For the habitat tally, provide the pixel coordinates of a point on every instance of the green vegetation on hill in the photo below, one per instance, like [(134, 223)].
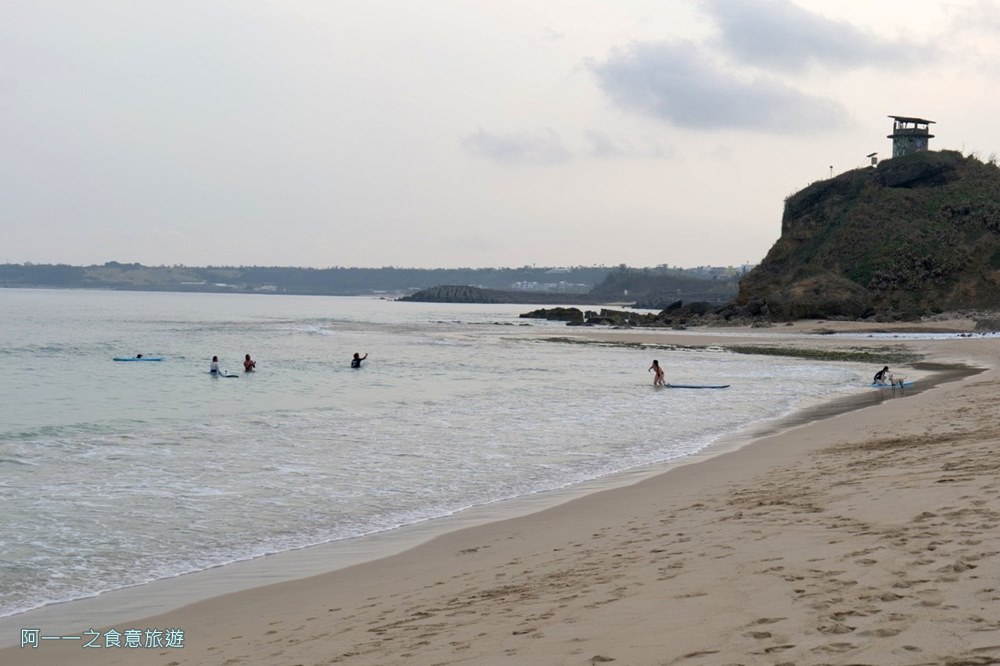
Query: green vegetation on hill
[(652, 288), (292, 280), (656, 288), (918, 234)]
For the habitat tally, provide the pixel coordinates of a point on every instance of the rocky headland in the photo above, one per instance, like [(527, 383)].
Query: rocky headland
[(912, 238), (917, 235)]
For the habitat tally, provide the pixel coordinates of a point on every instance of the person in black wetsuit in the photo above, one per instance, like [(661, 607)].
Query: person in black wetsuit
[(881, 376), (356, 361)]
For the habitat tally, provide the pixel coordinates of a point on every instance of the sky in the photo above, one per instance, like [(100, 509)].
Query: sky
[(460, 133)]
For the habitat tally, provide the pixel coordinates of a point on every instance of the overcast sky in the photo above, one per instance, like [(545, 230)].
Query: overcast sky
[(445, 133)]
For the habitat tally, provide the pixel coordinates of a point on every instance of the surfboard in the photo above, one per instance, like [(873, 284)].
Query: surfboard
[(907, 383), (698, 386), (133, 358), (225, 375)]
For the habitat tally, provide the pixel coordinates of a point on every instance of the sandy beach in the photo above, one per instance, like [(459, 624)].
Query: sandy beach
[(868, 537)]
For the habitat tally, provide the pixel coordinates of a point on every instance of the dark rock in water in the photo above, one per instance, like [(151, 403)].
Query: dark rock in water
[(470, 294), (569, 315), (458, 294), (618, 318)]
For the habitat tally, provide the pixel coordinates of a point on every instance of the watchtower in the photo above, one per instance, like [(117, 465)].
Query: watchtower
[(909, 135)]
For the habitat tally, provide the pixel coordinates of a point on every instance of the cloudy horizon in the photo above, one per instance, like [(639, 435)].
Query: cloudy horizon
[(405, 133)]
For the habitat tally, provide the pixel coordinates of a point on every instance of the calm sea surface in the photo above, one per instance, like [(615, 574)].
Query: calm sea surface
[(113, 474)]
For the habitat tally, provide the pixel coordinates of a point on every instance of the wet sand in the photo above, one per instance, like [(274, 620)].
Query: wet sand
[(866, 536)]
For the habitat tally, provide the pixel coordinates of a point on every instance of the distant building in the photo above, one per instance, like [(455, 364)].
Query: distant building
[(909, 135)]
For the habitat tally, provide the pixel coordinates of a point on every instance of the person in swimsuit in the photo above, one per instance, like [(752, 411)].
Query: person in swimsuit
[(356, 361), (214, 368), (248, 364), (658, 377)]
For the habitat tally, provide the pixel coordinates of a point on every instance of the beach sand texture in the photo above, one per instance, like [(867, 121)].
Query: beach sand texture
[(871, 537)]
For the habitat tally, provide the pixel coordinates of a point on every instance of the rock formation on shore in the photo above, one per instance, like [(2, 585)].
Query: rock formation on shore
[(917, 235), (675, 315)]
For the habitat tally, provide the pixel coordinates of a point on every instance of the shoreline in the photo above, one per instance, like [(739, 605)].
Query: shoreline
[(422, 561), (168, 594)]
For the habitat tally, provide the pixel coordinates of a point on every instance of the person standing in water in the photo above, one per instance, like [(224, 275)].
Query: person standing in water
[(214, 368), (658, 377), (356, 361), (249, 365)]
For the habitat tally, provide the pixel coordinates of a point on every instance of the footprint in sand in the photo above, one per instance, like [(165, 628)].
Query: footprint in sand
[(778, 648), (881, 633), (758, 635), (834, 647)]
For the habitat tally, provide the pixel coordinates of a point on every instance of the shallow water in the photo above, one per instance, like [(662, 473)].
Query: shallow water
[(113, 474)]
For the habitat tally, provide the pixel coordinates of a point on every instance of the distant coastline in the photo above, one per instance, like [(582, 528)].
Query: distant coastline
[(390, 282), (578, 285)]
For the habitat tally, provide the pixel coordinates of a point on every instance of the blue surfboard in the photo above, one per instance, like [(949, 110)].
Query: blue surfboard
[(905, 384), (698, 386)]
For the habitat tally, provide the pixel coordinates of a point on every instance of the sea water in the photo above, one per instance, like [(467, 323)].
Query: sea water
[(118, 473)]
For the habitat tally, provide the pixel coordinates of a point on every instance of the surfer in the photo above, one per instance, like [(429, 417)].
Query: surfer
[(658, 378), (356, 361), (214, 368), (138, 355), (248, 364), (880, 376)]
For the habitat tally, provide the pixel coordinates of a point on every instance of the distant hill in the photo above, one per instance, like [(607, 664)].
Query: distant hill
[(291, 280), (919, 234), (656, 288), (652, 288)]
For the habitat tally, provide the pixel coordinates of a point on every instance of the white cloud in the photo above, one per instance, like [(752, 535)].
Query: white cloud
[(604, 145), (781, 36), (678, 83), (542, 147)]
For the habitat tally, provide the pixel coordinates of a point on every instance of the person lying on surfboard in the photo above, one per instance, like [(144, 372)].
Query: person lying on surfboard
[(658, 377)]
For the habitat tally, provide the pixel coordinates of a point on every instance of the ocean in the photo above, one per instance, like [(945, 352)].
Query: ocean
[(114, 474)]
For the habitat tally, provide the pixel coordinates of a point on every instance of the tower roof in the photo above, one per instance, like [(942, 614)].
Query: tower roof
[(908, 119)]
